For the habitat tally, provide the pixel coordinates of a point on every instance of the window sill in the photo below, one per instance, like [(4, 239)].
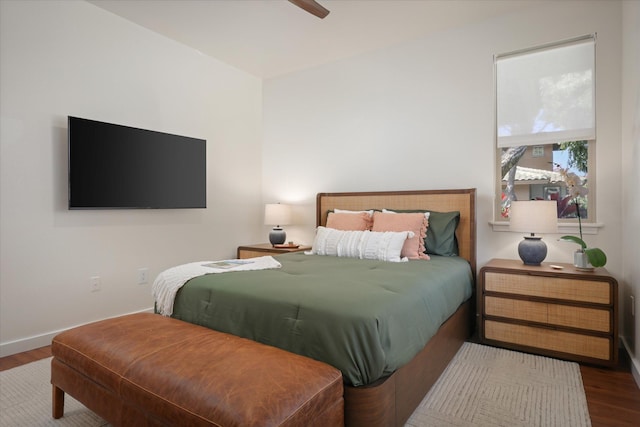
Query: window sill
[(563, 228)]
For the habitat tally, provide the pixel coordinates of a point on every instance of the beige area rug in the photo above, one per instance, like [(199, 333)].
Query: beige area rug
[(487, 386), (25, 400), (482, 386)]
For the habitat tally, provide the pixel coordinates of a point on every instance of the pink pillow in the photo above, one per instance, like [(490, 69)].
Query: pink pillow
[(349, 221), (414, 247)]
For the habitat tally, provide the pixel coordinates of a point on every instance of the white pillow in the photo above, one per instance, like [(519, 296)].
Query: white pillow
[(383, 246), (426, 214), (328, 240), (370, 212)]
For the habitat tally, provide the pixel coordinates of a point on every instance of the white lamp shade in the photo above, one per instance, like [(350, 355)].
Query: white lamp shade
[(277, 214), (534, 216)]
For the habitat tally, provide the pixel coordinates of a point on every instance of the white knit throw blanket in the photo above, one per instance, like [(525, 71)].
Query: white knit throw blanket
[(167, 284)]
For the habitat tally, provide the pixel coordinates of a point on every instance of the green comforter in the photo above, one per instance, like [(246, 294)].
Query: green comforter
[(367, 318)]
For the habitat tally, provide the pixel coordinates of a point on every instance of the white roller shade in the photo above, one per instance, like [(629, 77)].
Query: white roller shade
[(546, 95)]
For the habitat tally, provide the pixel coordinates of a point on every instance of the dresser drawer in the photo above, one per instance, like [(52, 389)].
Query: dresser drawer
[(553, 314), (549, 287), (547, 339)]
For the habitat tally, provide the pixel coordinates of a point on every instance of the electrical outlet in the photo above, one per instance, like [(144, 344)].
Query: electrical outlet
[(143, 276), (95, 283)]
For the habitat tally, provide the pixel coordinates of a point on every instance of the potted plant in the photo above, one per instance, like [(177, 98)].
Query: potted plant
[(585, 257)]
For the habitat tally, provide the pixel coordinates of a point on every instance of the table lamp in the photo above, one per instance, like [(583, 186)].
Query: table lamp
[(533, 216), (277, 214)]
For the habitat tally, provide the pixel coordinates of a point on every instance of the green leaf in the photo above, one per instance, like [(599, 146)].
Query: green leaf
[(596, 256), (575, 239)]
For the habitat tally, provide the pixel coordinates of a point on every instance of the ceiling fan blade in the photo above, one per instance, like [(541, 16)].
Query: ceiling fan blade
[(312, 7)]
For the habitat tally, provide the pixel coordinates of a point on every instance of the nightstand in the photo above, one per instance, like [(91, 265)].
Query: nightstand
[(263, 249), (563, 313)]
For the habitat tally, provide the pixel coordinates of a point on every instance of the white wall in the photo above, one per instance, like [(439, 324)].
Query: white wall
[(630, 284), (420, 116), (60, 58)]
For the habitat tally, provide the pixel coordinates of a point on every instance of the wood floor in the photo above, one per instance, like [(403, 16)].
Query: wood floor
[(612, 394)]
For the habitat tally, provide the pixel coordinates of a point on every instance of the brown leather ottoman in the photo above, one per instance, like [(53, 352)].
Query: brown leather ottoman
[(149, 370)]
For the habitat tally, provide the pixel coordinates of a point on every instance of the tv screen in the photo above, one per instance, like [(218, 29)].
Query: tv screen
[(120, 167)]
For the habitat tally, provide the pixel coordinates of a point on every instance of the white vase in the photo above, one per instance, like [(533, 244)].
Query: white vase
[(581, 261)]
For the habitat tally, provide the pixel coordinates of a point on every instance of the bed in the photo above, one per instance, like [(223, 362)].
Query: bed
[(391, 334)]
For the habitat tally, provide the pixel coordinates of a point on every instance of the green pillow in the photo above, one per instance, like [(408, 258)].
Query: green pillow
[(441, 232)]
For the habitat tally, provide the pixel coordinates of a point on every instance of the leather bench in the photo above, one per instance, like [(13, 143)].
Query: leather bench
[(148, 370)]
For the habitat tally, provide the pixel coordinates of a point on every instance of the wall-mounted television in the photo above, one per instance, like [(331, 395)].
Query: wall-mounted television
[(120, 167)]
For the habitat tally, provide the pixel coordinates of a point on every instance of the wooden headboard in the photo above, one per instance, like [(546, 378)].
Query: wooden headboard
[(436, 200)]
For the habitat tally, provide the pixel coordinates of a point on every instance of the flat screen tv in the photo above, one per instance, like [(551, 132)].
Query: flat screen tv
[(120, 167)]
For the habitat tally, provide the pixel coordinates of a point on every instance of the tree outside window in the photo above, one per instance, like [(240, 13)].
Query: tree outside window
[(530, 173)]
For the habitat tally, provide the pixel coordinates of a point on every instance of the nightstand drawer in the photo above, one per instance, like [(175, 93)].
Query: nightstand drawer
[(548, 339), (553, 314), (549, 287), (264, 249), (245, 253)]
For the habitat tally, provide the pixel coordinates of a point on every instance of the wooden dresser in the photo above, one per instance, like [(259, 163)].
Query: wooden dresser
[(563, 313)]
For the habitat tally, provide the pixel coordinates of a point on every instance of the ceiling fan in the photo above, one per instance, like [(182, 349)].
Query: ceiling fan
[(312, 7)]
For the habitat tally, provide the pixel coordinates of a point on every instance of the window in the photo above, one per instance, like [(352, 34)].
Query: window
[(528, 176), (545, 120)]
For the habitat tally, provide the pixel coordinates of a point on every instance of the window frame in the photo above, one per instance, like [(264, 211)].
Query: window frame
[(565, 225)]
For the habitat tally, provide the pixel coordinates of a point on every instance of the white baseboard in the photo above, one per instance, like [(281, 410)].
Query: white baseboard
[(635, 371), (31, 343), (635, 363)]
